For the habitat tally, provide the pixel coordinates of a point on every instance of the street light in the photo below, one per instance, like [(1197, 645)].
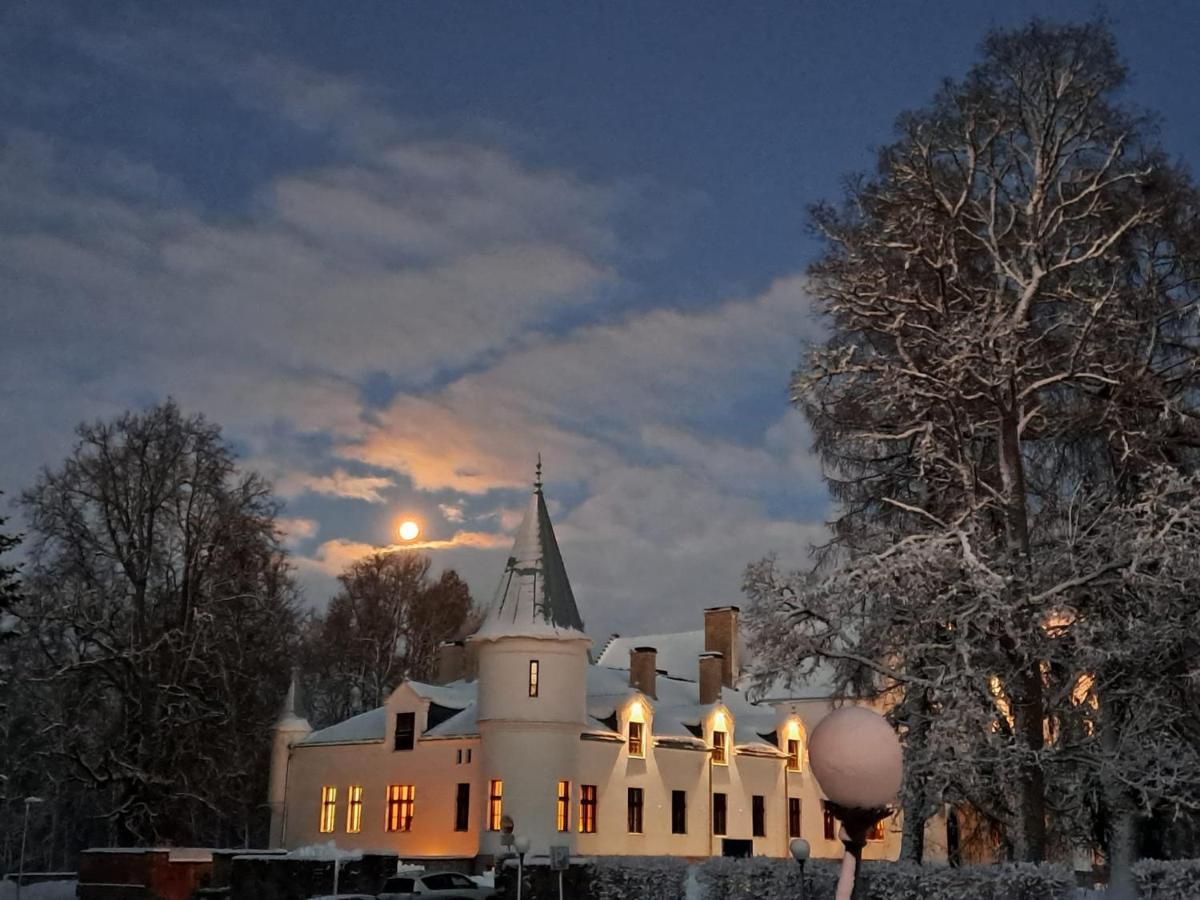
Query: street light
[(521, 845), (29, 801), (800, 851)]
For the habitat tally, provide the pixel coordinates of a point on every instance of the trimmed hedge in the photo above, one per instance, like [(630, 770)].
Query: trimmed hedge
[(1175, 879)]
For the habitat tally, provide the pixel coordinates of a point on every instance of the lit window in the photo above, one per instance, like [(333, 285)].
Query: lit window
[(793, 817), (634, 808), (720, 749), (793, 751), (564, 806), (830, 822), (637, 744), (876, 832), (462, 808), (406, 730), (718, 813), (758, 815), (587, 808), (354, 809), (401, 804), (495, 805), (533, 678), (678, 812), (328, 809)]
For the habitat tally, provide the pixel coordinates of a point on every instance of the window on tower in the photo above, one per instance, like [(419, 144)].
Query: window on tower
[(328, 809), (495, 804), (533, 677), (354, 809)]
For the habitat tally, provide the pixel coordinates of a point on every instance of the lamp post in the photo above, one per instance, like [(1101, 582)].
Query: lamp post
[(29, 801), (856, 758), (521, 845), (800, 851)]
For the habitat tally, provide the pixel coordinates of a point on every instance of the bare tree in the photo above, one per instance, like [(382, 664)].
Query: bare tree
[(383, 626), (159, 615), (1011, 302)]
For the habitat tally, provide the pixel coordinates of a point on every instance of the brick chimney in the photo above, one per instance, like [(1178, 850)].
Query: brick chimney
[(452, 658), (643, 671), (711, 666), (721, 636)]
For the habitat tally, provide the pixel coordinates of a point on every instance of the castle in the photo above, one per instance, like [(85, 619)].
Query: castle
[(652, 748)]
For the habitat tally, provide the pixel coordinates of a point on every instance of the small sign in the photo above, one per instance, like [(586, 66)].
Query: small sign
[(560, 858)]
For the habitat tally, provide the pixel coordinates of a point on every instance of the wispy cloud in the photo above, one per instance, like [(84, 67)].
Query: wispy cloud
[(338, 484)]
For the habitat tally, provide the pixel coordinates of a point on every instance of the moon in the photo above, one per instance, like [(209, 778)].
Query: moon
[(409, 531)]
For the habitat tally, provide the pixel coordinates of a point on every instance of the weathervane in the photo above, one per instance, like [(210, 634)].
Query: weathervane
[(537, 481)]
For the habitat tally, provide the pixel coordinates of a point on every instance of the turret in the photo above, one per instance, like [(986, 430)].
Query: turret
[(533, 659), (289, 728)]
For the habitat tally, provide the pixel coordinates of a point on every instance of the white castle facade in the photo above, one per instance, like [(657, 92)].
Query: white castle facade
[(651, 748)]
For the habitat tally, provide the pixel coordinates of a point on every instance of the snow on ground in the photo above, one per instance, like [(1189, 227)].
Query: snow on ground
[(47, 890)]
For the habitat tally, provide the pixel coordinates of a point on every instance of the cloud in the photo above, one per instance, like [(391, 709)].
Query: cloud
[(452, 512), (338, 484), (334, 556), (296, 529)]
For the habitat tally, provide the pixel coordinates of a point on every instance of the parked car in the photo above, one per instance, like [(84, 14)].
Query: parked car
[(435, 886)]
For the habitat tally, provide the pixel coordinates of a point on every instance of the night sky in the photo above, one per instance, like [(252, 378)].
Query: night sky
[(397, 249)]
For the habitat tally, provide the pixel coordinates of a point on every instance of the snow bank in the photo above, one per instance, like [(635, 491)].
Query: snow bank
[(1175, 879)]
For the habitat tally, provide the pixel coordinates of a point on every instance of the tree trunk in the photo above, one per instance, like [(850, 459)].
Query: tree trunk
[(1121, 838)]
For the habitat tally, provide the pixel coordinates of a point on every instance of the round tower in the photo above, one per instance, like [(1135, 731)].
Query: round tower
[(289, 728), (532, 706)]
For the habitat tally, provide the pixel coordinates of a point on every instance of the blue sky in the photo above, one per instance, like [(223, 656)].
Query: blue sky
[(396, 249)]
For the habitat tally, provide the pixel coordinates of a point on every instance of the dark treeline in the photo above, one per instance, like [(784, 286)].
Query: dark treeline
[(148, 636)]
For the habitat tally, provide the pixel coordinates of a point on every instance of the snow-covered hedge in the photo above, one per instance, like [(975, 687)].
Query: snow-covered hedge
[(779, 879), (656, 877), (1175, 879)]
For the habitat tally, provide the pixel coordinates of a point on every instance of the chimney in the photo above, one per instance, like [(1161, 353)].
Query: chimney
[(451, 661), (642, 670), (721, 636), (711, 666), (472, 665)]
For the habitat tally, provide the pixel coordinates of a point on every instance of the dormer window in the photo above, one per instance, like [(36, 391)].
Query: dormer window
[(406, 731), (793, 754), (720, 748), (533, 678), (637, 746)]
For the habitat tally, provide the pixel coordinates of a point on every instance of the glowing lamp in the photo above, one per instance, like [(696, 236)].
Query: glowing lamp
[(856, 757)]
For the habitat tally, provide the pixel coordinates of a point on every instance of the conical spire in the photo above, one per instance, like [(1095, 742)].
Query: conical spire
[(290, 716), (534, 597)]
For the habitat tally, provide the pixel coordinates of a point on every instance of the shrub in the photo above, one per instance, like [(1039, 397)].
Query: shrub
[(1174, 879)]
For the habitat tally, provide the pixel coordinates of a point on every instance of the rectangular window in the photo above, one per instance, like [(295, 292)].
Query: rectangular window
[(328, 809), (678, 812), (876, 832), (495, 805), (634, 809), (720, 752), (533, 678), (468, 754), (793, 750), (459, 758), (758, 815), (401, 804), (718, 822), (830, 822), (587, 808), (563, 813), (793, 817), (462, 808), (637, 746), (406, 730), (354, 809)]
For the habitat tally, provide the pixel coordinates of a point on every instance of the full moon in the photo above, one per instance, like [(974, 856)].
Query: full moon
[(409, 531)]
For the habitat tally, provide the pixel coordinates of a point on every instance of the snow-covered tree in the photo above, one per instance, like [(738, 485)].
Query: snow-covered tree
[(1011, 309), (159, 617)]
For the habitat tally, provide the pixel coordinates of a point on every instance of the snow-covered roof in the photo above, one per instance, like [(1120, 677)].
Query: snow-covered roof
[(678, 654), (534, 598), (365, 727)]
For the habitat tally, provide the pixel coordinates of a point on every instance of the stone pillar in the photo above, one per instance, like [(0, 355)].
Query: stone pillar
[(721, 636), (643, 670), (711, 666)]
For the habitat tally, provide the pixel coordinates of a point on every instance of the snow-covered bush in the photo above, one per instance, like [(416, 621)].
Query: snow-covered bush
[(657, 877), (779, 879), (1174, 879)]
